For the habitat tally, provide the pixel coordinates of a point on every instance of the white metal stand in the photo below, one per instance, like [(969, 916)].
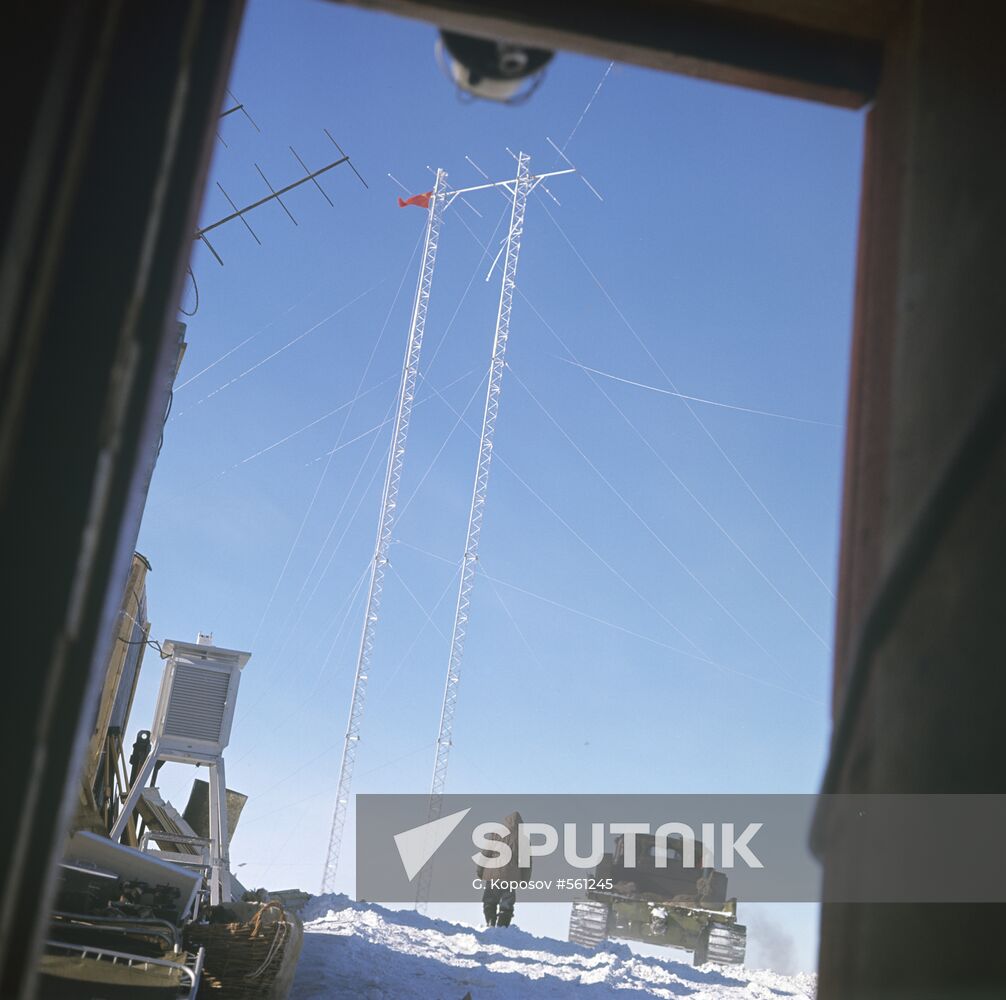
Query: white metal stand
[(192, 725)]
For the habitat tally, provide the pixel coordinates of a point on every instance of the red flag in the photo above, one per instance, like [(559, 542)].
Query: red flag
[(422, 200)]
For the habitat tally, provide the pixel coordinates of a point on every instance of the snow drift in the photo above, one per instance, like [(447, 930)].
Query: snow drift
[(364, 951)]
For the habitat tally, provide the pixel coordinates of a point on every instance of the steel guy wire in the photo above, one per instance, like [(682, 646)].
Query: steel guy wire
[(256, 817), (723, 530), (345, 609), (418, 603), (703, 657), (693, 496), (426, 552), (303, 605), (513, 621), (464, 294), (335, 520), (587, 544), (293, 547), (384, 423), (440, 450), (300, 430), (451, 583), (323, 637), (397, 760), (684, 486), (595, 618), (248, 339), (301, 709), (287, 345), (566, 607), (319, 640), (345, 444), (429, 369), (697, 399), (324, 473), (278, 443), (436, 352), (275, 854), (288, 634), (645, 524), (384, 326), (621, 315), (324, 572), (300, 767), (583, 114), (311, 595)]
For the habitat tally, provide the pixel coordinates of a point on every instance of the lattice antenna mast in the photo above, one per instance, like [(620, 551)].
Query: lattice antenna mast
[(385, 524), (520, 187)]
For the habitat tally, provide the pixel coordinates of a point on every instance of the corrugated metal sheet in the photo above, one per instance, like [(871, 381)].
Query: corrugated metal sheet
[(197, 703)]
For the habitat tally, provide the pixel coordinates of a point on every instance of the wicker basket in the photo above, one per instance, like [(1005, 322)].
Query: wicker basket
[(249, 957)]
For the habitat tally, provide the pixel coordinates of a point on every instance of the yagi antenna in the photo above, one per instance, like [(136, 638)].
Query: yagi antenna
[(399, 183), (238, 106), (310, 176), (348, 160), (476, 166), (543, 186), (552, 196), (593, 189), (462, 197), (276, 195)]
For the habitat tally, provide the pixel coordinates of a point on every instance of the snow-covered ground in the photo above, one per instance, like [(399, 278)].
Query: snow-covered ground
[(366, 951)]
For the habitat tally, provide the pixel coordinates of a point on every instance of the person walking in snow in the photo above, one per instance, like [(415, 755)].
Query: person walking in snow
[(498, 903)]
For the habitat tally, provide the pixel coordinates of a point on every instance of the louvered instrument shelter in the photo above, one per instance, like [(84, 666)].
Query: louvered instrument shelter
[(192, 725)]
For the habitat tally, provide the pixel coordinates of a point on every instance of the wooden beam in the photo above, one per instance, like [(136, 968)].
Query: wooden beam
[(711, 41)]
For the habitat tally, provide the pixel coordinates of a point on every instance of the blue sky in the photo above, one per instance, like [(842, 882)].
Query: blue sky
[(723, 257)]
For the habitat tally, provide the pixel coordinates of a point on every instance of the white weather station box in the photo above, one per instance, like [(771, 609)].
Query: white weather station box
[(192, 725), (195, 707)]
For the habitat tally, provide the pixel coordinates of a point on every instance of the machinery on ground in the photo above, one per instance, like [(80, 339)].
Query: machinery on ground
[(146, 904), (660, 901)]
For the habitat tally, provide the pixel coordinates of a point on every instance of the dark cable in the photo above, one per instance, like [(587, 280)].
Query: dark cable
[(153, 643), (167, 413), (144, 642), (195, 288)]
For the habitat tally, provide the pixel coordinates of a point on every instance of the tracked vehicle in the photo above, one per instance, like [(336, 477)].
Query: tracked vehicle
[(660, 901)]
